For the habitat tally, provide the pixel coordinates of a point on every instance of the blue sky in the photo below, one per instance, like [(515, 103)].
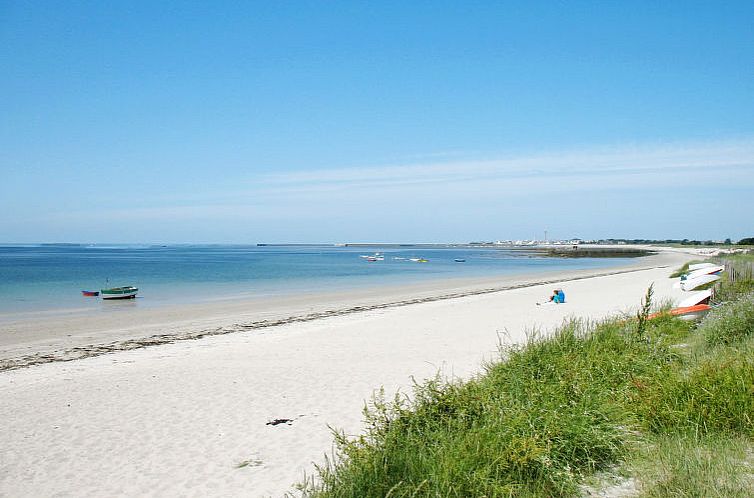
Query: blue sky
[(383, 121)]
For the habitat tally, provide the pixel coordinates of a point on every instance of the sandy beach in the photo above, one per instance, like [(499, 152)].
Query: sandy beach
[(191, 417)]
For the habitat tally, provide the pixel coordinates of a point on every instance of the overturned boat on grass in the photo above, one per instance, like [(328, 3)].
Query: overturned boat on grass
[(696, 312)]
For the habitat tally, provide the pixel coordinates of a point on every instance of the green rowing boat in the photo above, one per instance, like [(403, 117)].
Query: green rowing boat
[(119, 293)]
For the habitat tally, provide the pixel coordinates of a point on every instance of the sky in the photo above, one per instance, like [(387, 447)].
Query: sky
[(309, 122)]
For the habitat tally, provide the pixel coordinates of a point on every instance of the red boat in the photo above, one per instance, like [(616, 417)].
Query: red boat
[(691, 312), (687, 312), (90, 293)]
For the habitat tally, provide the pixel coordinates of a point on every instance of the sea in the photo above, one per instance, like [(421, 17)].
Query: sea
[(50, 277)]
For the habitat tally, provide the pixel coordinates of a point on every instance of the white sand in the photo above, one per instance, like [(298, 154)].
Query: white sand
[(177, 419)]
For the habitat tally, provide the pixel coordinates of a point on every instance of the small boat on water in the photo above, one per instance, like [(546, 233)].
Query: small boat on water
[(459, 260), (119, 293), (90, 293)]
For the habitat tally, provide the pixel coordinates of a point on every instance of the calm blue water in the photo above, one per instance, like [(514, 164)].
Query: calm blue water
[(48, 277)]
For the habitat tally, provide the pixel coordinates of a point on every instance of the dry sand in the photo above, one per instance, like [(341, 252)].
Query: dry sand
[(190, 417)]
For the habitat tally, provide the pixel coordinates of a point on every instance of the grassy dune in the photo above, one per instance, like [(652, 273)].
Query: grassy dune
[(661, 400)]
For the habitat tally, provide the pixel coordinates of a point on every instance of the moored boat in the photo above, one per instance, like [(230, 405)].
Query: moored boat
[(90, 293), (128, 292)]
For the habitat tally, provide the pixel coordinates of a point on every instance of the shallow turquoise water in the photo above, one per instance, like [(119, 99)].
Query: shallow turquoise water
[(44, 277)]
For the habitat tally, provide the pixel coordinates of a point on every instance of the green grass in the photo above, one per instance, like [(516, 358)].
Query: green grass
[(661, 395), (745, 257), (533, 425), (730, 291), (730, 324), (742, 265), (691, 466), (684, 269), (711, 395)]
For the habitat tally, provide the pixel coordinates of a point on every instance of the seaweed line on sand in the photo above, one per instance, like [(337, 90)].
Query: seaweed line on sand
[(80, 352)]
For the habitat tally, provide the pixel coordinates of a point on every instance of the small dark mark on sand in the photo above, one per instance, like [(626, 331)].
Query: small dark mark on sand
[(278, 421)]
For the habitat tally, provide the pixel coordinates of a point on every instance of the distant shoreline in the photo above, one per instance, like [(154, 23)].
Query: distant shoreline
[(61, 338)]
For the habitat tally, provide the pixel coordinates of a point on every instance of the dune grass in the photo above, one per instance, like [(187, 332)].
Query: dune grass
[(709, 395), (684, 269), (672, 403), (743, 266), (742, 257), (695, 466), (729, 324), (731, 290)]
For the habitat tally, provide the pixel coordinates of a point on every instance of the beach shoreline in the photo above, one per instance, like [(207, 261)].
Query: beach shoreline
[(197, 417), (66, 336)]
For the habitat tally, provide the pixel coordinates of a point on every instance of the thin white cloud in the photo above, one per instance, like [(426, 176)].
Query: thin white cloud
[(595, 164), (457, 185)]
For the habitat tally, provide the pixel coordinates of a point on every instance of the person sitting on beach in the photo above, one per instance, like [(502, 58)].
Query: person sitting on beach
[(558, 296), (555, 298)]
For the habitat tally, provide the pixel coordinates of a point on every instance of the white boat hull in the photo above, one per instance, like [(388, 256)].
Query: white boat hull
[(127, 295), (696, 315), (693, 283), (696, 298), (699, 266), (709, 270)]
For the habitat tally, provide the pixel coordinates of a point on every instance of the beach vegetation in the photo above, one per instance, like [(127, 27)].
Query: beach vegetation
[(684, 269), (642, 316), (253, 462), (694, 466), (728, 325), (739, 257), (737, 279), (662, 400)]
